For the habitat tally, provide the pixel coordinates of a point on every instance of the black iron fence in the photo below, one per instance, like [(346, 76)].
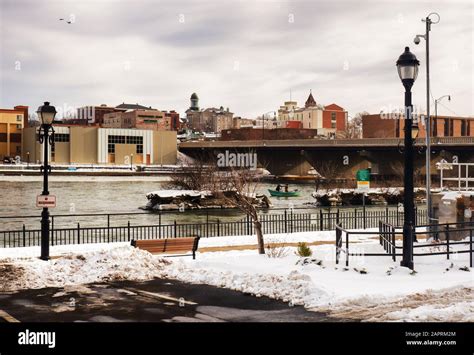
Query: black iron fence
[(282, 221), (440, 239)]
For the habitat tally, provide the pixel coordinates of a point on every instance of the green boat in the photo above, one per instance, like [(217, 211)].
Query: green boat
[(276, 193)]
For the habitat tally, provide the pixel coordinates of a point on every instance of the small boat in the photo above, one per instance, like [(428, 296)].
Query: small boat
[(276, 193)]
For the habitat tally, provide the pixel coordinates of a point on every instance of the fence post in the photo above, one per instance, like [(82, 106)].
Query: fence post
[(321, 221), (286, 222), (470, 247), (248, 225), (207, 224), (218, 227), (337, 216), (78, 233), (24, 236), (108, 228), (386, 214), (394, 249), (52, 230), (447, 241), (347, 249), (291, 221), (355, 218), (128, 230), (175, 230), (159, 224)]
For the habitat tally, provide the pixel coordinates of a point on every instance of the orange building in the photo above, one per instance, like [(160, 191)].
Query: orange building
[(12, 123)]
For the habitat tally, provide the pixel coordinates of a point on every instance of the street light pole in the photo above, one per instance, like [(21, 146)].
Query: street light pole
[(46, 114), (407, 66), (428, 21)]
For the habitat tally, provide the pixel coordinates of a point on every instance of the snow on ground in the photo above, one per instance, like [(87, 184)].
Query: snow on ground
[(371, 288), (78, 267)]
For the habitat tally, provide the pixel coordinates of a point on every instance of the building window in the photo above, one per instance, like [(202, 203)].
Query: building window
[(61, 137), (468, 133), (451, 127), (18, 126), (139, 148), (333, 120), (446, 127), (19, 118), (463, 128)]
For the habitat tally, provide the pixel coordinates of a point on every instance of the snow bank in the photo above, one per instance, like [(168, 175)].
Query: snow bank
[(119, 263), (177, 193)]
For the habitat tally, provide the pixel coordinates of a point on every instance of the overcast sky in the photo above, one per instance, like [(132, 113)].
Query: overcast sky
[(245, 55)]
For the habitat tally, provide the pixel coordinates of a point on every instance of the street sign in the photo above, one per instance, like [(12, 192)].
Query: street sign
[(363, 186), (363, 180), (48, 201)]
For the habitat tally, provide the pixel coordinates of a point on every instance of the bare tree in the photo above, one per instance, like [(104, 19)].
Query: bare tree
[(243, 184), (354, 126), (325, 171)]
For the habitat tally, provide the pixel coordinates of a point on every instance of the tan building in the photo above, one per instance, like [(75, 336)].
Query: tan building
[(329, 120), (93, 145), (210, 119), (140, 119), (11, 128)]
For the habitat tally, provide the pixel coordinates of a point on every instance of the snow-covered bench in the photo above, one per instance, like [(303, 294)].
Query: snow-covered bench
[(179, 246)]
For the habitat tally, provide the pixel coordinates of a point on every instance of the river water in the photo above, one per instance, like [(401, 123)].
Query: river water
[(89, 194)]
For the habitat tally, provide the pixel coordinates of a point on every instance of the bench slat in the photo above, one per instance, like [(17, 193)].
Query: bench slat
[(175, 245)]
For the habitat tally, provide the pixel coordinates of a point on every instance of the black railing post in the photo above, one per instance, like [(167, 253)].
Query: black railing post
[(78, 233), (291, 221), (159, 225), (24, 236), (175, 229), (447, 241), (218, 227), (394, 249), (347, 249), (128, 230), (355, 218), (386, 214), (470, 246), (108, 228), (321, 221), (52, 230), (286, 222), (207, 224)]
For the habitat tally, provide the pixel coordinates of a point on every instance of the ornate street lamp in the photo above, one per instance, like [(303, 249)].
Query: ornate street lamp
[(407, 66), (46, 113)]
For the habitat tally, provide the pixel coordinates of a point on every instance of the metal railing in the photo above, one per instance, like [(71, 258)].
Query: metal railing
[(388, 237), (287, 221)]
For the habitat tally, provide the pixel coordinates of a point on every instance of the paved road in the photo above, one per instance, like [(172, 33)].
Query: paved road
[(150, 301)]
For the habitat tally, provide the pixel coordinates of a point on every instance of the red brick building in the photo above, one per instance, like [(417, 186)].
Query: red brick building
[(392, 126)]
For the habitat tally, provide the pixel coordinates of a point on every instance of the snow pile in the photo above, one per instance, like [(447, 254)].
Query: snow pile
[(293, 287), (177, 193), (120, 263)]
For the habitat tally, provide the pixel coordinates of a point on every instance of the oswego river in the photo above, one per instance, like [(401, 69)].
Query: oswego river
[(89, 194)]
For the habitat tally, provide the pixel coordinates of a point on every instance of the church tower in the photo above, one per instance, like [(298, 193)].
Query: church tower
[(310, 102), (194, 102)]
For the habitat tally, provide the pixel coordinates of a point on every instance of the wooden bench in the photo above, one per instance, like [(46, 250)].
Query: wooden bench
[(170, 246)]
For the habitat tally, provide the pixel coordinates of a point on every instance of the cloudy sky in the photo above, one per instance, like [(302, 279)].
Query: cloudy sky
[(245, 55)]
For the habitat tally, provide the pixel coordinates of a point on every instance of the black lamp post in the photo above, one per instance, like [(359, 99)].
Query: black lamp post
[(407, 66), (46, 114)]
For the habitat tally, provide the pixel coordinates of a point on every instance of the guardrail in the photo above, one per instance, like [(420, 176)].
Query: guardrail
[(388, 236), (287, 221)]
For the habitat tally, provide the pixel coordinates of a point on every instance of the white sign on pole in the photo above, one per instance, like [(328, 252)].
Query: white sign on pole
[(48, 201), (363, 186)]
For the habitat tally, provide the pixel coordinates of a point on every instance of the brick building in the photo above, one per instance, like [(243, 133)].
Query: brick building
[(392, 126), (329, 120), (210, 119), (140, 119)]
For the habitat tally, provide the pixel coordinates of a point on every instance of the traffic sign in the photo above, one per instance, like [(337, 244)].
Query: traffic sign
[(48, 201), (363, 186)]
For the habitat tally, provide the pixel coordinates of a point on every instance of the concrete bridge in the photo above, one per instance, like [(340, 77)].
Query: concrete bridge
[(339, 158)]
